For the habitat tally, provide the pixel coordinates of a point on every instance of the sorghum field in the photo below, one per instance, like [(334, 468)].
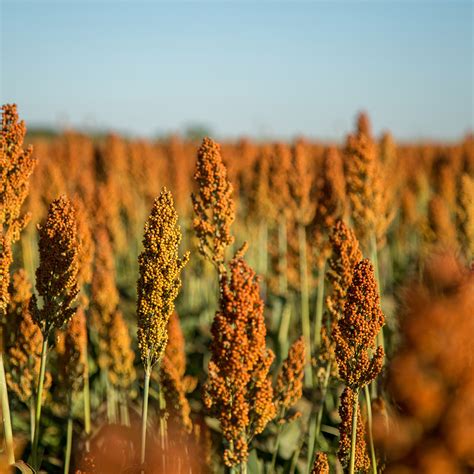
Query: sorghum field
[(199, 307)]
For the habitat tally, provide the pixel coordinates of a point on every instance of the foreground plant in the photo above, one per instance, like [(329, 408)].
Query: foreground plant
[(56, 284), (355, 336), (16, 166), (157, 288), (238, 390)]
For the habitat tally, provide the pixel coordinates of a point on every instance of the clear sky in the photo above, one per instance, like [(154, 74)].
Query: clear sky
[(241, 68)]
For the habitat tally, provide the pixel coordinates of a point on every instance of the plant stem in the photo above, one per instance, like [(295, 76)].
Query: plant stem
[(144, 417), (319, 416), (304, 291), (319, 307), (354, 431), (39, 400), (275, 451), (282, 249), (284, 329), (162, 405), (124, 414), (263, 253), (375, 261), (7, 422), (32, 417), (87, 408), (369, 422), (311, 441), (380, 337), (67, 459)]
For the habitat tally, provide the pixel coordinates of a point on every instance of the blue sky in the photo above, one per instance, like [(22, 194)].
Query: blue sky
[(241, 68)]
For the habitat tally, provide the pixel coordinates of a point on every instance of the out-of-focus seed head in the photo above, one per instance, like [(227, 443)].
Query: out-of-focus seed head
[(71, 346), (441, 226), (321, 464), (159, 278), (465, 214), (213, 205), (175, 350), (431, 378), (300, 182), (289, 385), (371, 203), (331, 198), (86, 244), (357, 330), (120, 354), (174, 390), (23, 341), (56, 276)]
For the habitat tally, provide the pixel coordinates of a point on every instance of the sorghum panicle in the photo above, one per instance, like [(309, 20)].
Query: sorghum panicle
[(330, 201), (441, 226), (56, 276), (431, 379), (238, 389), (362, 461), (16, 166), (289, 384), (372, 211), (213, 205), (345, 254), (174, 390), (104, 295), (23, 341), (71, 346), (86, 243), (120, 354), (159, 279), (356, 331), (321, 464), (465, 214)]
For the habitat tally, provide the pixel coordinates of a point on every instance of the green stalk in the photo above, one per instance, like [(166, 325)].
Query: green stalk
[(319, 416), (380, 337), (164, 440), (304, 292), (311, 441), (39, 401), (87, 407), (144, 417), (375, 261), (282, 249), (277, 445), (354, 431), (67, 459), (284, 329), (32, 418), (263, 252), (7, 422), (111, 403), (319, 307), (124, 413), (369, 422), (243, 468)]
